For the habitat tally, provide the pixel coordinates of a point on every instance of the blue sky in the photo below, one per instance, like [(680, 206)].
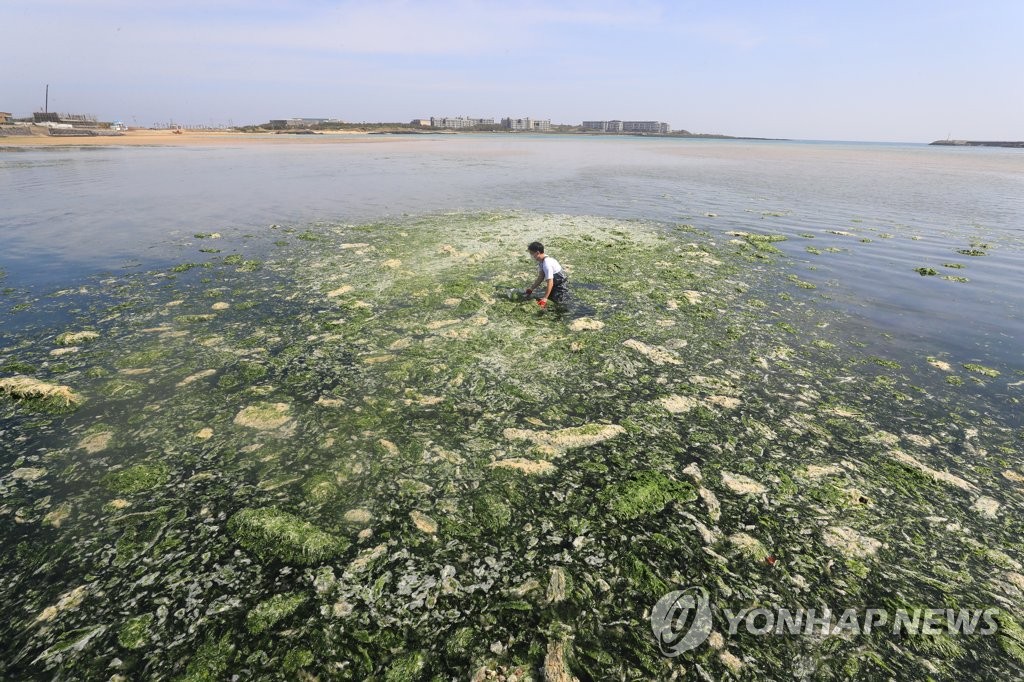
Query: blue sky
[(887, 71)]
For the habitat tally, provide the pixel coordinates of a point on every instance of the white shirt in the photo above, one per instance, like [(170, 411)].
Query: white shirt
[(549, 266)]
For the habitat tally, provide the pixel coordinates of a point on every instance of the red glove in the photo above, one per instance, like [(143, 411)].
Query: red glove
[(542, 302), (529, 292)]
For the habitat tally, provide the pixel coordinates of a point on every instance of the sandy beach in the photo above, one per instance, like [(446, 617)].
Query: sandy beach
[(186, 138)]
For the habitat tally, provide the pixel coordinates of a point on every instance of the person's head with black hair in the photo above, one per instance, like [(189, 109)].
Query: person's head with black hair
[(535, 247)]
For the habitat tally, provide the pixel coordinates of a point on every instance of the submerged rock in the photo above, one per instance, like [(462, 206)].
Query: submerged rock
[(340, 291), (57, 516), (274, 534)]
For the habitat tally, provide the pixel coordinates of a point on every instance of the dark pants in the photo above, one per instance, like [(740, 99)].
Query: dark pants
[(560, 288)]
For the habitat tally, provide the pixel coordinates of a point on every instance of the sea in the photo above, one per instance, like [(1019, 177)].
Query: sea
[(71, 213)]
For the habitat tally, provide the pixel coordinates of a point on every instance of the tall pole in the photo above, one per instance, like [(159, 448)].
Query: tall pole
[(46, 107)]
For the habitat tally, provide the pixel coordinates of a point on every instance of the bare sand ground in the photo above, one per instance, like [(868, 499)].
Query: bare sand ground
[(161, 138)]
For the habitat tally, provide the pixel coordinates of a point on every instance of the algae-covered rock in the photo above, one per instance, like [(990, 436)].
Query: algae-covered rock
[(270, 612), (646, 493), (1010, 634), (274, 534), (941, 476)]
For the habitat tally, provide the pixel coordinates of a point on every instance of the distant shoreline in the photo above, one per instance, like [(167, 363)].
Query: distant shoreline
[(37, 137), (976, 143)]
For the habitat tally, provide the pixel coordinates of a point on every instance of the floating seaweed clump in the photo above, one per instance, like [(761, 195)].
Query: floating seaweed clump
[(137, 478), (272, 611), (274, 534), (40, 394), (646, 493)]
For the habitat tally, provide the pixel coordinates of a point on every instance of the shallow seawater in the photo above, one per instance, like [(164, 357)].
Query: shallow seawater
[(348, 451)]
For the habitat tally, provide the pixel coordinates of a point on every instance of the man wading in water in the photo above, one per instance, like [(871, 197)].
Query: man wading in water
[(551, 273)]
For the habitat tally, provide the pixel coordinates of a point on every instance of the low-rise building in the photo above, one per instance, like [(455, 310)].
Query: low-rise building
[(644, 127), (526, 124), (5, 117), (627, 126), (459, 122), (423, 122)]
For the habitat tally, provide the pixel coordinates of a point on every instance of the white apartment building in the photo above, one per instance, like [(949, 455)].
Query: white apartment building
[(627, 126), (459, 122), (526, 124)]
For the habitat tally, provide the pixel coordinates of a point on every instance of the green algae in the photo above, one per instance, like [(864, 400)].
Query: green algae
[(387, 414), (269, 613), (925, 271), (135, 633), (274, 534), (645, 494), (137, 479), (981, 369), (210, 662)]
